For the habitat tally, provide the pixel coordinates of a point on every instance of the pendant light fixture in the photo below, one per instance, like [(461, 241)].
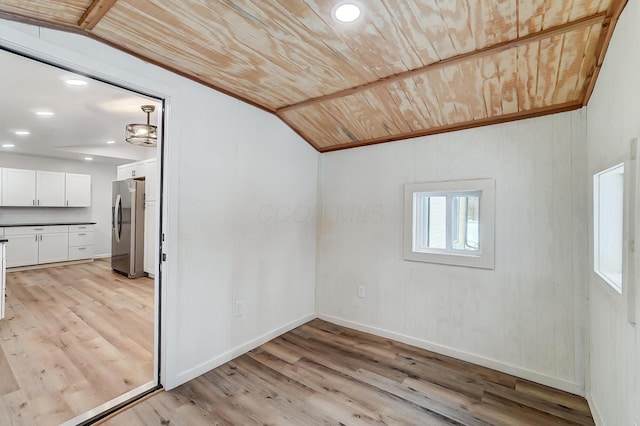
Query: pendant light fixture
[(143, 134)]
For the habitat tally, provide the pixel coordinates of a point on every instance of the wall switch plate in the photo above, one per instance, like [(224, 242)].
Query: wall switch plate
[(237, 308), (362, 291)]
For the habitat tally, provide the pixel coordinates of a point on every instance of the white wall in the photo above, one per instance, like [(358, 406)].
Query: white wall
[(100, 211), (526, 316), (613, 121), (227, 166)]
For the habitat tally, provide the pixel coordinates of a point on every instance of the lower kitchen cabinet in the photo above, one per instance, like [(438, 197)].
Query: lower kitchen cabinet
[(22, 250), (53, 247), (33, 245), (80, 242), (3, 279)]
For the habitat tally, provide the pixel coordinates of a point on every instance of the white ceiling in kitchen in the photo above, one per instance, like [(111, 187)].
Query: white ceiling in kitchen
[(84, 117)]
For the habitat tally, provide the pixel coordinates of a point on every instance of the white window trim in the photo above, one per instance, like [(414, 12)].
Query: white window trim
[(484, 258)]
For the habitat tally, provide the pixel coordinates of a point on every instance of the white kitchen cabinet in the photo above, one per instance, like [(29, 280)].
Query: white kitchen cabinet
[(32, 245), (18, 187), (53, 246), (150, 238), (77, 190), (50, 191), (146, 169), (23, 187), (22, 250), (124, 172), (3, 278), (131, 170), (81, 239)]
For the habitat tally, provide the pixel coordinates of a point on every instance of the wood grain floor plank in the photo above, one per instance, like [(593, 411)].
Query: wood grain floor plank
[(8, 381), (74, 337), (321, 373)]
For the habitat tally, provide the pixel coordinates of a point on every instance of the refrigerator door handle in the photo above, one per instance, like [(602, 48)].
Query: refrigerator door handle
[(117, 217)]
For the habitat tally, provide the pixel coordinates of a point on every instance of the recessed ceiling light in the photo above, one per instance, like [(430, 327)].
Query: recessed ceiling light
[(346, 12), (88, 158), (111, 142), (22, 132), (8, 145), (76, 82), (44, 113)]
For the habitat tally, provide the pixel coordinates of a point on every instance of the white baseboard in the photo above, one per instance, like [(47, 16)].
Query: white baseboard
[(208, 365), (523, 373), (102, 256), (595, 411), (48, 265)]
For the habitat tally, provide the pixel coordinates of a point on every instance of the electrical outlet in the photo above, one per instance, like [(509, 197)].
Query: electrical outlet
[(362, 291), (237, 308)]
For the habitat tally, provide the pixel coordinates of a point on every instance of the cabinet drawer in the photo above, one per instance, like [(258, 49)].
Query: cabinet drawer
[(80, 252), (81, 228), (80, 238), (25, 230)]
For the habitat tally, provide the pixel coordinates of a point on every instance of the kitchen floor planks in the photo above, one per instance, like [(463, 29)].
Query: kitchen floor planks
[(324, 374), (73, 337)]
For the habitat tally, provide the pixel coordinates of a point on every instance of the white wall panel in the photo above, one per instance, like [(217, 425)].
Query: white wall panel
[(519, 317), (613, 121), (225, 161)]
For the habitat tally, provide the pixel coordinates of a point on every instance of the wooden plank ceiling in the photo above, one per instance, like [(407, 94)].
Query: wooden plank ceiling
[(404, 68)]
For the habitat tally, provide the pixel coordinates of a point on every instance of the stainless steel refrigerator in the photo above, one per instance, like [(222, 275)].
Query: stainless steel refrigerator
[(127, 230)]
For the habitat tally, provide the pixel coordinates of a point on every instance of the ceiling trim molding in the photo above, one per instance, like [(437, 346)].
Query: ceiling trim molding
[(608, 26), (95, 13), (538, 112), (41, 23), (487, 51)]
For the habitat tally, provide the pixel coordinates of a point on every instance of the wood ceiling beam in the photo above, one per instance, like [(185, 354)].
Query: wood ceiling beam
[(95, 13), (487, 51), (609, 24), (537, 112)]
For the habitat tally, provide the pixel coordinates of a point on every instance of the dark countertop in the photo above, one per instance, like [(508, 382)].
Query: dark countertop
[(10, 225), (3, 240)]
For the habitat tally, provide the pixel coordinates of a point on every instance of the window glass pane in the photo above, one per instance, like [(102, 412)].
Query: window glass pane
[(609, 203), (464, 222), (437, 226)]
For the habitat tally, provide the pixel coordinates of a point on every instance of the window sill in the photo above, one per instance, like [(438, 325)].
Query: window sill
[(483, 261)]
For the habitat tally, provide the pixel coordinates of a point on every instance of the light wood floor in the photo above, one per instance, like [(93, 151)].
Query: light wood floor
[(73, 338), (322, 374)]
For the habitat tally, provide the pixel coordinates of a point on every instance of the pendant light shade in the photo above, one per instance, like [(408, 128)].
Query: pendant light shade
[(143, 134)]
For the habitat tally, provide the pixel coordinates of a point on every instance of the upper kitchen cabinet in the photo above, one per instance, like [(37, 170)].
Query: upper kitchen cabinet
[(146, 169), (28, 188), (50, 191), (131, 170), (78, 190), (18, 187)]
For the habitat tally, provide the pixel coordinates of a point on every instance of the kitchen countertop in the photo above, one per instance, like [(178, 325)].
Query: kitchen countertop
[(3, 240), (10, 225)]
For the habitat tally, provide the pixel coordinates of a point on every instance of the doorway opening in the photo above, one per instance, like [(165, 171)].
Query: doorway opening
[(79, 339)]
